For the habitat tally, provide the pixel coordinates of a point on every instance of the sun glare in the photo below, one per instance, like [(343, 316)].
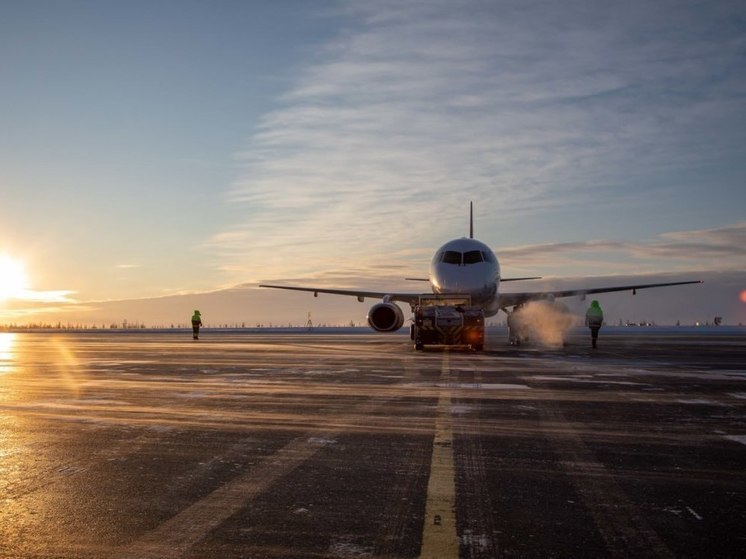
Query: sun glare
[(13, 280)]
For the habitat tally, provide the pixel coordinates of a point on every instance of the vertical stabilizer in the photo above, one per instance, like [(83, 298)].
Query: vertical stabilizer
[(471, 220)]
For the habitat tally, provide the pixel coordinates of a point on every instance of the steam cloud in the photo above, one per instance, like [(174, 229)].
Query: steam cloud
[(545, 322)]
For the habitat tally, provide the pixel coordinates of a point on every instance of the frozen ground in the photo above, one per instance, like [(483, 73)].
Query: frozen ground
[(350, 444)]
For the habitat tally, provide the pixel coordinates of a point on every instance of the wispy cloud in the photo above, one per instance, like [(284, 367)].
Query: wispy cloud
[(418, 107), (58, 296), (30, 303), (710, 249)]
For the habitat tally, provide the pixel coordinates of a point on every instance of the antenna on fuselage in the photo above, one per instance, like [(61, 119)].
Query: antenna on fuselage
[(471, 220)]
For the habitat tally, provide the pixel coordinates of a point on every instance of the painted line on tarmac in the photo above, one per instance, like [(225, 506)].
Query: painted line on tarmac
[(176, 536), (439, 535)]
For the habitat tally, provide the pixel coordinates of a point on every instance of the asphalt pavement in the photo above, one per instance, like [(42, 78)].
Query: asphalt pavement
[(350, 444)]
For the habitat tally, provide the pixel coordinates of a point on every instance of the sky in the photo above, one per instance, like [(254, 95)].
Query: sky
[(155, 154)]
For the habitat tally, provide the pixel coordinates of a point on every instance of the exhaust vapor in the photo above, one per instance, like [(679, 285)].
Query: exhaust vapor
[(545, 322)]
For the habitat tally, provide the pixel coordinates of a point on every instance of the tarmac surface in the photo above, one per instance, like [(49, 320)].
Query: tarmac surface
[(351, 444)]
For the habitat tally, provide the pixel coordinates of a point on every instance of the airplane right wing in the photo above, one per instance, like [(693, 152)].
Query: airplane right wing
[(512, 299)]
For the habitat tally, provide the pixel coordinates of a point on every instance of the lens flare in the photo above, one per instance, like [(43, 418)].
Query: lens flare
[(68, 368)]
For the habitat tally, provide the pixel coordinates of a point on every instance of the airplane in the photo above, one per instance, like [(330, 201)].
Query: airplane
[(466, 268)]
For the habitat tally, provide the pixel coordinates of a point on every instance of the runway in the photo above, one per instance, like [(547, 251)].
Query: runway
[(350, 444)]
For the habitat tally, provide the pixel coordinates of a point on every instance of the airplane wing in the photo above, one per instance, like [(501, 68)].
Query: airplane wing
[(505, 299), (410, 298), (512, 299)]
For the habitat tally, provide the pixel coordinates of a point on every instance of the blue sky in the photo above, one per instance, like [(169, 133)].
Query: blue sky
[(156, 148)]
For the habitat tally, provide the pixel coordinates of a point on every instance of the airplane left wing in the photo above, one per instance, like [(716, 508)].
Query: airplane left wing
[(512, 299), (410, 298)]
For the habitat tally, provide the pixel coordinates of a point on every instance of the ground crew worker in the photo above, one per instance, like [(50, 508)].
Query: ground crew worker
[(196, 323), (594, 318)]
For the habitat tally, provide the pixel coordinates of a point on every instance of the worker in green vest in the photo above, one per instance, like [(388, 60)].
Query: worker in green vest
[(594, 319), (196, 323)]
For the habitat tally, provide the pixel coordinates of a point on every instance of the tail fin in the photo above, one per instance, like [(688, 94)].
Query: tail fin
[(471, 220)]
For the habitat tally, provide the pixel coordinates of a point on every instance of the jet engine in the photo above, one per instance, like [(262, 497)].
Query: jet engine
[(385, 317)]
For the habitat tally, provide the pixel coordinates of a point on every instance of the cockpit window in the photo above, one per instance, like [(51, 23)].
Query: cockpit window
[(472, 257), (488, 256), (452, 257)]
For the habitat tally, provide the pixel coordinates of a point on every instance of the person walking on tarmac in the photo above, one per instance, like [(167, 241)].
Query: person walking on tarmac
[(196, 323), (594, 318)]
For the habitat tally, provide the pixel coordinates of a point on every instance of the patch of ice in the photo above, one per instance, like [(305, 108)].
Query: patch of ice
[(461, 410), (102, 401), (701, 402), (583, 379), (346, 548), (712, 374), (477, 542), (160, 428), (189, 394), (483, 386), (321, 441)]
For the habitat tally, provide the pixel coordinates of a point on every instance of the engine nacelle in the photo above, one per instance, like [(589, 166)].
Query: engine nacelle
[(385, 317)]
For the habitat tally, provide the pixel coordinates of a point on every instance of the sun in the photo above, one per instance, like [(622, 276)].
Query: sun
[(13, 280)]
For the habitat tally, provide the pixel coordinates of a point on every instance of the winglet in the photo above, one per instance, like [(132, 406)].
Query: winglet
[(471, 220)]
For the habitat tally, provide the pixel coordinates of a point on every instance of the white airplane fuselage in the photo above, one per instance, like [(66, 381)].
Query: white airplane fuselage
[(467, 267)]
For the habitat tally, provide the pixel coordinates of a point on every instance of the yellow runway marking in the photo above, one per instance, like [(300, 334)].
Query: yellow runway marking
[(439, 535)]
